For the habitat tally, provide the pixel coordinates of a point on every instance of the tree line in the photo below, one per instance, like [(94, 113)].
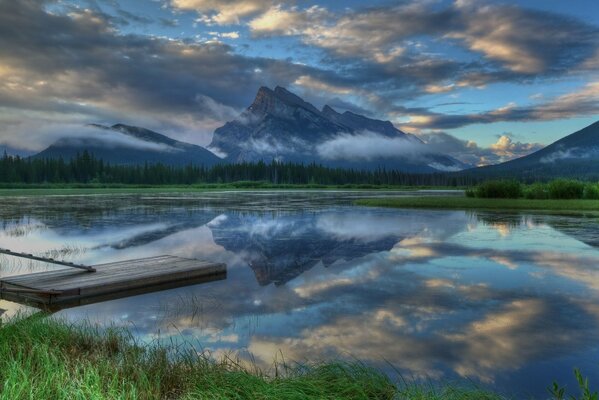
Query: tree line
[(85, 168)]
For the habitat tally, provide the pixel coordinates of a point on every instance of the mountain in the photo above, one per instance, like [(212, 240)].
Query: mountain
[(13, 151), (124, 144), (576, 155), (280, 125)]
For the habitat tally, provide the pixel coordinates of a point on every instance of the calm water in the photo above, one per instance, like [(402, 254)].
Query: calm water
[(507, 300)]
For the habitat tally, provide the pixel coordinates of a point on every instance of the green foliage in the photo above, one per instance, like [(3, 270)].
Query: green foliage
[(42, 358), (537, 191), (499, 189), (86, 169), (565, 189), (559, 392), (591, 191), (555, 189), (465, 203)]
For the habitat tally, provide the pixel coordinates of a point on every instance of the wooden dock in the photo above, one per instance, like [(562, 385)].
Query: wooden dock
[(111, 280)]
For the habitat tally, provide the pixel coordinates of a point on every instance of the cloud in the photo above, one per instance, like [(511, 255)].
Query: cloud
[(368, 146), (383, 53), (521, 41), (574, 152), (76, 65), (582, 102), (226, 35), (469, 152), (280, 21), (39, 137), (507, 149), (526, 41), (224, 12), (376, 33), (77, 68)]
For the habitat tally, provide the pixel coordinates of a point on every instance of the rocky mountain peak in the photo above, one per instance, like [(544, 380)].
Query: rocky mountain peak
[(264, 101), (329, 111), (279, 102), (280, 125)]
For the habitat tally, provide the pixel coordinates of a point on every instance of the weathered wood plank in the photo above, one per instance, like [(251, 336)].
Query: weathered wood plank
[(55, 286), (109, 276), (105, 275), (47, 277)]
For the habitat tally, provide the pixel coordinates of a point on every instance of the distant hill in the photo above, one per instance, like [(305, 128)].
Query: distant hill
[(128, 145), (576, 155), (282, 126), (12, 151)]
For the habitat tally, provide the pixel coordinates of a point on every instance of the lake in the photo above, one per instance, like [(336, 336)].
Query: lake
[(508, 300)]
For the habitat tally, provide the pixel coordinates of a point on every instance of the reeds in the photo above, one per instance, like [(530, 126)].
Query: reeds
[(41, 358)]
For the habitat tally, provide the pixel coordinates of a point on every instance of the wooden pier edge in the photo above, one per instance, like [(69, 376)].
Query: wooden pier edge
[(111, 280)]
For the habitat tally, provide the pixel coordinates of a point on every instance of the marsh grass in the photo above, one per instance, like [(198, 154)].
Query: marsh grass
[(91, 189), (464, 203), (556, 189), (41, 358)]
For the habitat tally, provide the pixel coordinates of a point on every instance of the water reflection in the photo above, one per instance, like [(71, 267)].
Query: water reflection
[(511, 300)]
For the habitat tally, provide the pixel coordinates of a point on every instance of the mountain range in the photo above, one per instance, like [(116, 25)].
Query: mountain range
[(280, 125), (124, 144), (575, 155)]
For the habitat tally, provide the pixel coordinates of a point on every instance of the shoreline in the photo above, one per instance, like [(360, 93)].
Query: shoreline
[(469, 203), (134, 189), (45, 358)]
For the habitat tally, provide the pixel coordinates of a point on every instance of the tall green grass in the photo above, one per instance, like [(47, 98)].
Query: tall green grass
[(44, 359), (558, 189), (499, 189)]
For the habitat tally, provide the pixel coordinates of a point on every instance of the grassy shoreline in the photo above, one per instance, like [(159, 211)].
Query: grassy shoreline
[(62, 190), (445, 202), (42, 358)]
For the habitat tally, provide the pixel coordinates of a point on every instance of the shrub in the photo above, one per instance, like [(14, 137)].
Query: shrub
[(536, 191), (591, 191), (505, 189), (566, 189)]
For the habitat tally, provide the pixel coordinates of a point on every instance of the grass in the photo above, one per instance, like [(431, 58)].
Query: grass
[(45, 359), (90, 189), (561, 189), (443, 202)]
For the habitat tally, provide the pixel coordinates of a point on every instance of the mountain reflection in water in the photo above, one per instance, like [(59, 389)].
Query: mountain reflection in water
[(509, 300)]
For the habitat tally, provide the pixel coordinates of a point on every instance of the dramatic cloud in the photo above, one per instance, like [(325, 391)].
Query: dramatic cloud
[(507, 149), (368, 146), (224, 12), (582, 102), (277, 20), (470, 152), (525, 41), (522, 41), (385, 52), (67, 63), (78, 66)]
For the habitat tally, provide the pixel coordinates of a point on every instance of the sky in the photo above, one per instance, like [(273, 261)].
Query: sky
[(485, 80)]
